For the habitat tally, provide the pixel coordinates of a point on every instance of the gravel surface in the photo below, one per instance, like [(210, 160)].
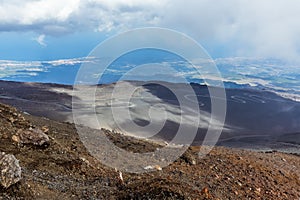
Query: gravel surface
[(65, 170)]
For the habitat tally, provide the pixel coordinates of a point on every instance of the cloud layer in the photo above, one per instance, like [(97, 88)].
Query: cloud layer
[(246, 27), (9, 68), (59, 17), (273, 75)]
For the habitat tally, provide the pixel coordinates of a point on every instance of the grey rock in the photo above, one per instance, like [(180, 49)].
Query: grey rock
[(10, 170), (34, 136)]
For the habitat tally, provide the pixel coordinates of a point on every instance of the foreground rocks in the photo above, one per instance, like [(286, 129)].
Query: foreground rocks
[(65, 170), (10, 170)]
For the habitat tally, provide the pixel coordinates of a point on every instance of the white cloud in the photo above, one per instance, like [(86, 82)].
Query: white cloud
[(245, 27), (41, 40), (31, 12), (249, 27), (10, 68), (59, 17), (70, 62)]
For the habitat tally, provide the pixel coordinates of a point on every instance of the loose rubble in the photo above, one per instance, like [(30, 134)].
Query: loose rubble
[(65, 170)]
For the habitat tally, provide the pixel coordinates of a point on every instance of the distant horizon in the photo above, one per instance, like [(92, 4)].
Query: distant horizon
[(259, 51)]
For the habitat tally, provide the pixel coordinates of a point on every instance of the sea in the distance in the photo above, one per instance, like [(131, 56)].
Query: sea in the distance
[(273, 75)]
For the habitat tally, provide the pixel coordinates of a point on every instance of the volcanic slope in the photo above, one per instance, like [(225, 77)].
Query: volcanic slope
[(64, 169)]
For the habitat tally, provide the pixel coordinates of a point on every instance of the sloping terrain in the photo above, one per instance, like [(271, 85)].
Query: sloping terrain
[(65, 170), (255, 119)]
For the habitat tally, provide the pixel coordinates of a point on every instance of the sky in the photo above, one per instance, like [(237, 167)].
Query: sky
[(55, 29)]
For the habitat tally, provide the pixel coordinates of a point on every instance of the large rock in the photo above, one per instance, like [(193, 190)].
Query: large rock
[(35, 136), (10, 170)]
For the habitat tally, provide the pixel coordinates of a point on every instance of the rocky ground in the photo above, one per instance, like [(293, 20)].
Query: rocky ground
[(55, 165)]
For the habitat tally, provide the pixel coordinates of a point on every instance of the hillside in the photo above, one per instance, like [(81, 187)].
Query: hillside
[(64, 169), (255, 119)]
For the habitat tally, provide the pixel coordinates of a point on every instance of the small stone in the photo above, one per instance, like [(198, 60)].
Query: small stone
[(15, 138), (258, 190), (85, 160), (45, 129), (12, 120), (5, 136), (157, 167), (10, 170), (148, 167), (239, 183), (205, 193), (121, 177)]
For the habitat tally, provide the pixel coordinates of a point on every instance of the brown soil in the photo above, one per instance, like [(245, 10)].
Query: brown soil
[(65, 170)]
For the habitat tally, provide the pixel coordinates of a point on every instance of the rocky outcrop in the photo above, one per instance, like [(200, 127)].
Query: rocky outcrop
[(10, 170), (33, 136)]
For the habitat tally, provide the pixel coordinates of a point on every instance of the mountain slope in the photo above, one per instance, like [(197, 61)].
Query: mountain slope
[(65, 170)]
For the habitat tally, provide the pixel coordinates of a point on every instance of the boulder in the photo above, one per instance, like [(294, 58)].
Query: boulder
[(34, 136), (10, 170)]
